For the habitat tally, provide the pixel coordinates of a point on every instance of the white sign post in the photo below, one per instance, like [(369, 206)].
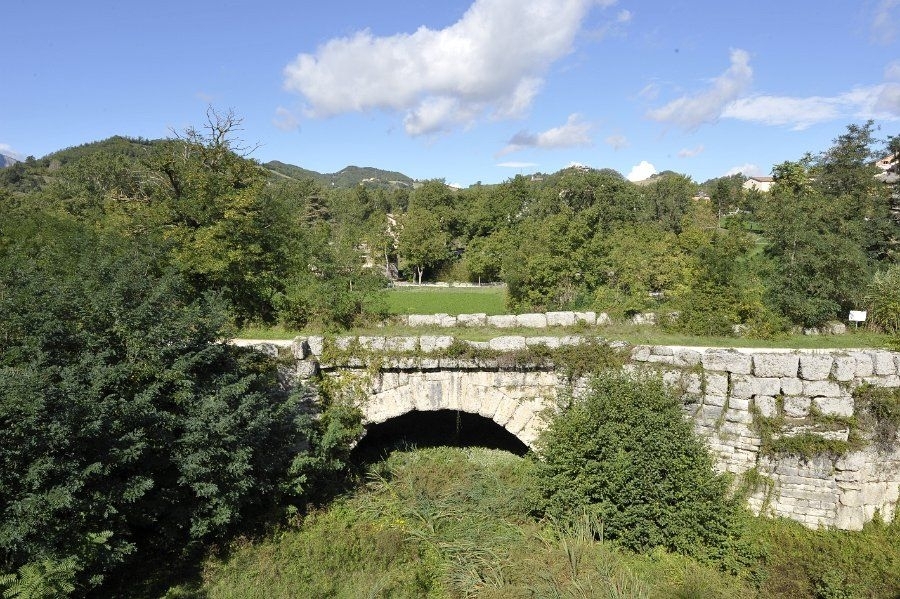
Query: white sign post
[(857, 316)]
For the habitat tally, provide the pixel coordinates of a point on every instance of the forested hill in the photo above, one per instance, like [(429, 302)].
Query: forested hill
[(348, 177), (7, 160)]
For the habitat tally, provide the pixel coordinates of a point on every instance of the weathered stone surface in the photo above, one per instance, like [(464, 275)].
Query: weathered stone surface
[(730, 361), (685, 358), (864, 365), (767, 406), (371, 343), (844, 368), (776, 365), (300, 348), (307, 369), (507, 343), (560, 319), (316, 344), (766, 385), (344, 343), (531, 321), (641, 353), (603, 318), (834, 406), (447, 321), (716, 384), (796, 406), (431, 343), (791, 386), (425, 320), (741, 386), (835, 328), (502, 321), (478, 319), (588, 318), (815, 367), (546, 341), (883, 363), (401, 344), (821, 389), (644, 318)]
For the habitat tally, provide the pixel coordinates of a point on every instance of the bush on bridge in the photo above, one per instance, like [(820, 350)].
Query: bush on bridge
[(625, 454)]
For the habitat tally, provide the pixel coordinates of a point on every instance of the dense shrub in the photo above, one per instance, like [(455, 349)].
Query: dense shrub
[(625, 454), (883, 300)]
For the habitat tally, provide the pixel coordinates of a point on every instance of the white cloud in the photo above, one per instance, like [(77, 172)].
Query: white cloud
[(884, 27), (518, 164), (691, 152), (624, 16), (650, 91), (617, 141), (892, 71), (689, 112), (876, 101), (748, 170), (490, 62), (285, 119), (641, 171), (9, 151), (575, 132)]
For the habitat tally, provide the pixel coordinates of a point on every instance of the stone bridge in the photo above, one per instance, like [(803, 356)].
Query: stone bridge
[(728, 394)]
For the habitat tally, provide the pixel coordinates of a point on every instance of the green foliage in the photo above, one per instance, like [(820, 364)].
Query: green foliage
[(47, 579), (625, 453), (883, 299), (880, 413), (422, 242), (129, 428)]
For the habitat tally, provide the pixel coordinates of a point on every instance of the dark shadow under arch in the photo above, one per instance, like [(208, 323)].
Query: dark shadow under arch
[(449, 428)]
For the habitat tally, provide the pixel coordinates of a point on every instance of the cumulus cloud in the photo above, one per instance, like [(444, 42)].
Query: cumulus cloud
[(285, 119), (748, 170), (689, 112), (490, 62), (617, 141), (575, 132), (884, 26), (641, 171), (876, 101), (690, 152)]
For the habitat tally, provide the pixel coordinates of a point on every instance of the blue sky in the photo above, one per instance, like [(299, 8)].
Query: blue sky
[(465, 90)]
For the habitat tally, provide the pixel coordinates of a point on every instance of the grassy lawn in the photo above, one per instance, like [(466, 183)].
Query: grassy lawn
[(449, 300)]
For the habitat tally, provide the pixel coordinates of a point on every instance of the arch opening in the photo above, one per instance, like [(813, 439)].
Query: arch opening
[(448, 428)]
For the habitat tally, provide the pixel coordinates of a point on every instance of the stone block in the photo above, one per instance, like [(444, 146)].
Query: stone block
[(716, 384), (776, 365), (502, 321), (864, 365), (371, 343), (791, 386), (737, 403), (883, 363), (560, 319), (316, 344), (883, 381), (344, 343), (307, 369), (603, 318), (741, 386), (531, 321), (766, 385), (644, 318), (447, 321), (714, 400), (815, 367), (472, 320), (834, 406), (641, 353), (844, 368), (401, 344), (730, 361), (821, 389), (425, 320), (572, 340), (431, 343), (548, 341), (685, 358), (299, 348), (835, 328), (588, 318), (796, 406), (767, 405), (507, 343)]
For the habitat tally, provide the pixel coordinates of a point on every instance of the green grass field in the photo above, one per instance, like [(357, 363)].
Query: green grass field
[(447, 300)]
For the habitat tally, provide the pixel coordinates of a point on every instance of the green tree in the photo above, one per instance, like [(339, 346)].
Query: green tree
[(422, 241), (625, 454)]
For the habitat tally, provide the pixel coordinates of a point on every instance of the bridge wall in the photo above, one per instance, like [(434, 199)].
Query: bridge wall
[(730, 395)]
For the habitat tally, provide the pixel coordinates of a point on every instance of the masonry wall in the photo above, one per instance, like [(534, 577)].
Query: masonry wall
[(728, 394)]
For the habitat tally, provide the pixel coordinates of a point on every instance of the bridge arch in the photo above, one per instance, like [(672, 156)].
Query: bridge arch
[(517, 400)]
